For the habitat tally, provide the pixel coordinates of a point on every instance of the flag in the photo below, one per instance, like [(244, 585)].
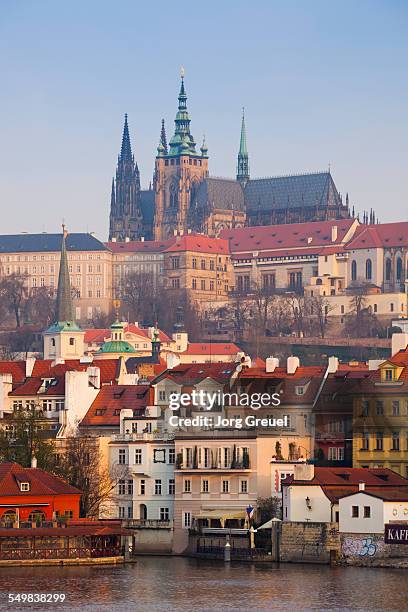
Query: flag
[(250, 511)]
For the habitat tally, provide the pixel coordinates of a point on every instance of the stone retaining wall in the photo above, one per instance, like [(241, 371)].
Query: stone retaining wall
[(309, 542)]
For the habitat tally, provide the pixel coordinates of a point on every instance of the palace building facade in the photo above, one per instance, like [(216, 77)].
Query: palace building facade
[(184, 197)]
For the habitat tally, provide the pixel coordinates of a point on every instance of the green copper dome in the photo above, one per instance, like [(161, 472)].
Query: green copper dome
[(117, 346)]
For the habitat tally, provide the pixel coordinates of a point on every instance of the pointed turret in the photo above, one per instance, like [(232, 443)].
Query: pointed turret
[(163, 138), (126, 149), (243, 159), (64, 310)]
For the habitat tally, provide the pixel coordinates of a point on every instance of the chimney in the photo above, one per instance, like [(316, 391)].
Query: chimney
[(271, 364), (292, 364), (399, 342), (189, 231), (113, 239), (361, 486), (29, 366), (309, 239), (33, 462), (127, 239), (141, 238), (333, 365), (303, 471), (94, 376), (334, 233)]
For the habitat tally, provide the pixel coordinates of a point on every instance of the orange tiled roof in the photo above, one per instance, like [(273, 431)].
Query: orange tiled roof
[(41, 483), (199, 244), (211, 348), (105, 409)]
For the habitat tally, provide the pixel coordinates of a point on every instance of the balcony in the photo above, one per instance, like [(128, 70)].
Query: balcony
[(134, 437), (147, 524)]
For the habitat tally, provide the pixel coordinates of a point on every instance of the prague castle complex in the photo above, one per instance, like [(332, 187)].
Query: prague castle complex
[(184, 197)]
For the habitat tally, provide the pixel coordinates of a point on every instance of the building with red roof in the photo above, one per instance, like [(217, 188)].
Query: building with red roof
[(32, 495), (361, 500)]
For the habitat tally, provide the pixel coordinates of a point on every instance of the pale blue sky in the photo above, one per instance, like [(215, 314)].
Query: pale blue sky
[(323, 82)]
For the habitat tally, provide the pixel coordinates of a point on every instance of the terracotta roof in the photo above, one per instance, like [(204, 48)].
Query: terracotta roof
[(194, 373), (211, 348), (398, 493), (41, 483), (345, 476), (98, 336), (287, 236), (199, 243), (105, 409), (15, 368), (381, 235), (138, 246)]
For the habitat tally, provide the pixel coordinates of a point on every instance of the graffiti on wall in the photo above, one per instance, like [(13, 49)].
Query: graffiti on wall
[(361, 547)]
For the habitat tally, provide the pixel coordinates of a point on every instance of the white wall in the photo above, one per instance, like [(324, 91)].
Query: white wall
[(348, 524), (294, 499)]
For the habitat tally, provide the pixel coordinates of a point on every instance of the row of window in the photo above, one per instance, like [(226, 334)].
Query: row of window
[(397, 407), (388, 270), (160, 455), (205, 486), (395, 440)]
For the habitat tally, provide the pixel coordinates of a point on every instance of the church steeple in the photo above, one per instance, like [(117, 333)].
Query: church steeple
[(163, 138), (64, 339), (64, 310), (243, 159), (182, 141)]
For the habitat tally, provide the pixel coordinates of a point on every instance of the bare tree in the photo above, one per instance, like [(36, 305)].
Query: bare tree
[(39, 306), (13, 292), (81, 464), (360, 321), (320, 308), (140, 296)]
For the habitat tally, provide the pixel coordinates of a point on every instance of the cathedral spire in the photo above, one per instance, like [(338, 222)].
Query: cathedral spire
[(113, 198), (243, 159), (182, 142), (64, 310), (126, 149)]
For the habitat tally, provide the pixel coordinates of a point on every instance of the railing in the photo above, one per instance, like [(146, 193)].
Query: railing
[(238, 465), (60, 553), (133, 437), (148, 524)]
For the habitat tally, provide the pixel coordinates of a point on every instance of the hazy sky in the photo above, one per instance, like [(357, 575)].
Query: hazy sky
[(322, 82)]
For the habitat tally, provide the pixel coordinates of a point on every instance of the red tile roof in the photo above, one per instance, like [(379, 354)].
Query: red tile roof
[(199, 243), (293, 235), (41, 483), (345, 476), (194, 373), (104, 410), (15, 368), (381, 235), (98, 336), (211, 348)]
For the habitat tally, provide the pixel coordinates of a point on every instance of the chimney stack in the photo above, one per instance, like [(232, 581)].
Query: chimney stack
[(292, 364), (33, 462), (271, 364), (333, 365), (361, 486), (334, 233)]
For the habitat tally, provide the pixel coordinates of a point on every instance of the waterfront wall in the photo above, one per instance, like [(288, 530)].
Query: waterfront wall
[(152, 541), (370, 549), (309, 542)]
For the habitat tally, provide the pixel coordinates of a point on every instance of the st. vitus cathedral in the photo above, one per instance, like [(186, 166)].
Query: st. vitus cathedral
[(185, 197)]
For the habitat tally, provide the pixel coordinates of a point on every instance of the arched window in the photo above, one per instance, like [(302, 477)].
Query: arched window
[(369, 269), (52, 341), (399, 269), (10, 516), (388, 270), (174, 195), (353, 270)]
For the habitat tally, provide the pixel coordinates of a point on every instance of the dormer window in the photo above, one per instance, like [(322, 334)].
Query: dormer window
[(300, 390), (24, 487), (389, 374)]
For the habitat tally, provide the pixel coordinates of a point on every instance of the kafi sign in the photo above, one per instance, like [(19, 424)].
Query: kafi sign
[(396, 534)]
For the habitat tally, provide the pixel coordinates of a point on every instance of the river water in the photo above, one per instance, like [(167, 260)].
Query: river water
[(165, 583)]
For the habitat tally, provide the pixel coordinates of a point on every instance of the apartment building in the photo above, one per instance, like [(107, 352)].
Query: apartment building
[(380, 407), (37, 257)]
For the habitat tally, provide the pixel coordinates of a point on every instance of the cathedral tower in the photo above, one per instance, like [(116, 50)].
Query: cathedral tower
[(125, 215), (179, 169)]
